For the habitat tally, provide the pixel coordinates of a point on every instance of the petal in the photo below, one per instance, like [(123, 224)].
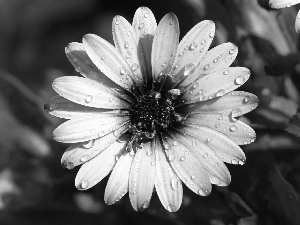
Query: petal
[(88, 127), (216, 169), (167, 183), (236, 130), (93, 171), (64, 108), (142, 175), (144, 25), (186, 165), (222, 146), (192, 48), (109, 60), (277, 4), (165, 45), (127, 43), (117, 185), (233, 104), (220, 57), (84, 65), (216, 84), (79, 153), (297, 23), (88, 92)]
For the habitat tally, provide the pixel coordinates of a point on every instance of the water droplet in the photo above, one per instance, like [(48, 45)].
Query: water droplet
[(189, 69), (134, 66), (126, 45), (217, 125), (146, 205), (103, 57), (175, 143), (193, 177), (215, 180), (202, 192), (235, 113), (122, 71), (84, 158), (209, 139), (231, 51), (167, 146), (239, 80), (195, 85), (220, 93), (201, 49), (234, 161), (88, 98), (233, 128), (174, 183), (226, 72), (171, 157), (117, 22), (201, 98), (206, 67), (88, 144), (194, 143), (135, 184), (212, 34), (182, 158), (245, 142), (153, 163), (146, 15), (288, 5), (127, 55), (203, 42), (141, 25), (215, 60), (247, 99), (216, 164), (193, 46), (84, 184)]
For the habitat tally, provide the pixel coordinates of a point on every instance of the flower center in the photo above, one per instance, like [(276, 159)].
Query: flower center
[(151, 113)]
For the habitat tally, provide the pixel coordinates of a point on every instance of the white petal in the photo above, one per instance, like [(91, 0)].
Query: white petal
[(93, 171), (144, 25), (117, 185), (233, 104), (225, 148), (297, 23), (206, 156), (187, 165), (236, 130), (142, 175), (109, 60), (282, 3), (79, 153), (88, 92), (84, 65), (167, 183), (88, 127), (126, 42), (165, 45), (64, 108), (192, 48), (216, 84), (217, 58)]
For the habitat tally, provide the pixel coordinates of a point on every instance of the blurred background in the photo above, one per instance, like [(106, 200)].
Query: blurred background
[(36, 189)]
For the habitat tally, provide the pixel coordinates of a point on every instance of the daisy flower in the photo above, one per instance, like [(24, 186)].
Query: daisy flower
[(152, 111), (278, 4)]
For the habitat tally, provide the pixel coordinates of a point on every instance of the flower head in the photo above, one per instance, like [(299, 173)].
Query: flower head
[(152, 111)]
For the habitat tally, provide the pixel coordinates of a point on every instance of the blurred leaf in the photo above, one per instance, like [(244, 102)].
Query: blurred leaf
[(293, 126)]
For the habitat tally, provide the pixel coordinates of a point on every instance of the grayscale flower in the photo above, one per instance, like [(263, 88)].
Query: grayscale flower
[(152, 111)]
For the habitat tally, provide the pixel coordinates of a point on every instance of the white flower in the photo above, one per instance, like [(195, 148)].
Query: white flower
[(278, 4), (154, 112)]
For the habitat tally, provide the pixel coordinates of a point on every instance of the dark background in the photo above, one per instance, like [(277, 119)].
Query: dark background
[(36, 189)]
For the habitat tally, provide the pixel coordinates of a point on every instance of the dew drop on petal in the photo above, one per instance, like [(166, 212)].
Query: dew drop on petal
[(103, 57), (226, 72), (88, 98), (209, 139), (134, 66), (84, 184), (70, 165), (167, 146), (195, 85), (146, 205), (189, 69), (149, 152), (171, 157), (175, 143), (239, 80), (174, 183), (231, 51), (234, 161), (122, 71), (146, 15), (88, 144), (153, 163), (141, 25), (182, 158), (193, 46), (206, 67), (212, 34), (117, 22), (126, 45), (233, 128), (193, 177), (220, 93), (84, 158), (247, 99)]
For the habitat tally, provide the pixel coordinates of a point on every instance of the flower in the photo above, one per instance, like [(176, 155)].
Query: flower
[(278, 4), (153, 111)]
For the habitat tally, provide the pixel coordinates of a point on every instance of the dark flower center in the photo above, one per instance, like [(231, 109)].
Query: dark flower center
[(151, 113)]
